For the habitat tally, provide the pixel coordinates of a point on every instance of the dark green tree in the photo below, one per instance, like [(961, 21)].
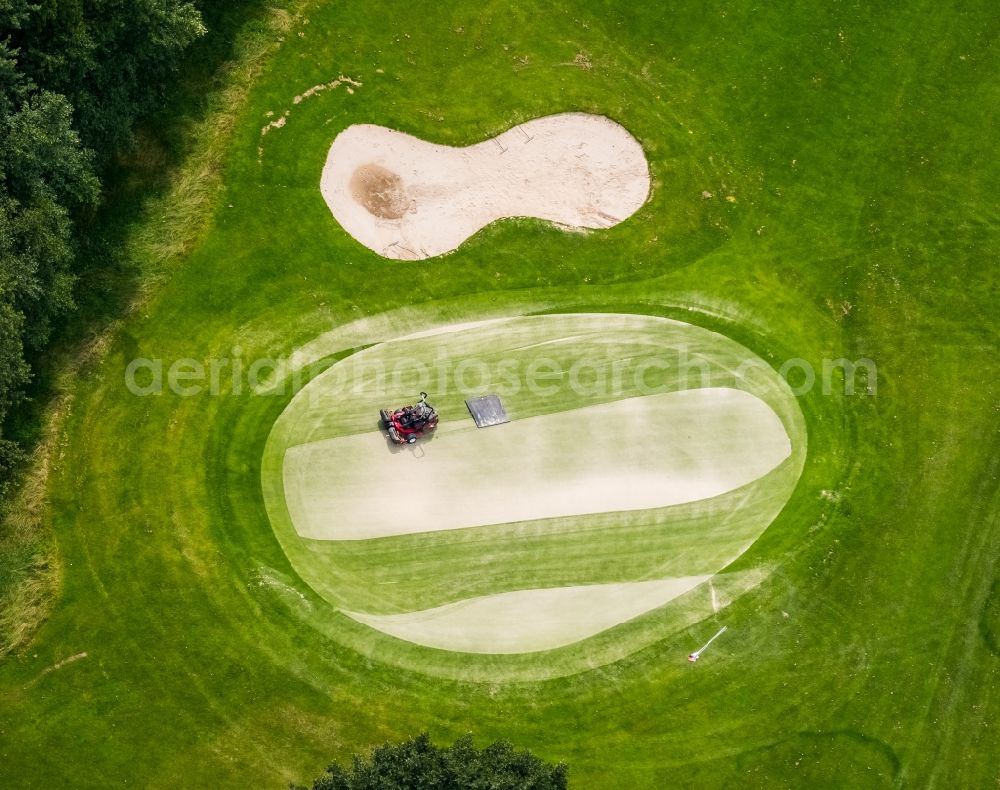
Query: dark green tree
[(111, 59), (418, 764), (13, 376), (44, 174), (74, 77)]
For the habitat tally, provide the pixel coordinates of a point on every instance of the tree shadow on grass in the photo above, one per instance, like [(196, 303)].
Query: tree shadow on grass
[(107, 278)]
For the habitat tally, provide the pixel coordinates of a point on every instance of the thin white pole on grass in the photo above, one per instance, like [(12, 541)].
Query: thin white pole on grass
[(697, 653)]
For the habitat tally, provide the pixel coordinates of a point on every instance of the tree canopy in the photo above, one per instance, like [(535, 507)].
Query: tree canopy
[(418, 764), (74, 76)]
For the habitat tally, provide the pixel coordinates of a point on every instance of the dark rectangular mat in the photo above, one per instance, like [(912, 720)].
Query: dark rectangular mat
[(487, 410)]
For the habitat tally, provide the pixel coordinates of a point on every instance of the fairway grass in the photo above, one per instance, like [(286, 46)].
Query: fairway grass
[(848, 151)]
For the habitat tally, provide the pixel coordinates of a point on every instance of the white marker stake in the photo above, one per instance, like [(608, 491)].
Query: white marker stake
[(697, 653)]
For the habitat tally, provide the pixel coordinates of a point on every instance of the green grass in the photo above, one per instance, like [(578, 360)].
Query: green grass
[(411, 572), (153, 210), (858, 142)]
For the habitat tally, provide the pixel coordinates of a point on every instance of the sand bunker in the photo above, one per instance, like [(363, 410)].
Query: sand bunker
[(526, 621), (644, 452), (406, 198)]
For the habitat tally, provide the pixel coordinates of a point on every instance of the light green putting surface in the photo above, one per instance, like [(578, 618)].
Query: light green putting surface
[(529, 620), (643, 456), (637, 453)]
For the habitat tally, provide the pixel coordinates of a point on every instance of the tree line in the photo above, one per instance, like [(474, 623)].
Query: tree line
[(419, 764), (74, 77)]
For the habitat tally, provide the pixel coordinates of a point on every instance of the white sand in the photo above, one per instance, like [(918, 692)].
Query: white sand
[(643, 452), (529, 620), (406, 198)]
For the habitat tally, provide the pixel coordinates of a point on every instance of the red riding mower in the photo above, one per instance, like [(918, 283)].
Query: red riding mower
[(409, 423)]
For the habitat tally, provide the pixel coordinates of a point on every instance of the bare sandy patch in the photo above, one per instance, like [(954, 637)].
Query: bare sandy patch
[(526, 621), (573, 169), (380, 191), (636, 453)]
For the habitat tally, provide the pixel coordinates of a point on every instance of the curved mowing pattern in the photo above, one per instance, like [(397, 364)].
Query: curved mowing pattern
[(406, 198), (529, 620), (668, 450), (642, 452)]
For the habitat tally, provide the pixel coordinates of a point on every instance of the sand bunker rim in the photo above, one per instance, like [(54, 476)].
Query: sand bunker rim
[(405, 198)]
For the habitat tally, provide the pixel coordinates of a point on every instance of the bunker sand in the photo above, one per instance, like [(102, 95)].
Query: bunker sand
[(406, 198)]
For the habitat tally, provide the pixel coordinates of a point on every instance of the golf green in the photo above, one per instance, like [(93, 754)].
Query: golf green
[(624, 427)]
